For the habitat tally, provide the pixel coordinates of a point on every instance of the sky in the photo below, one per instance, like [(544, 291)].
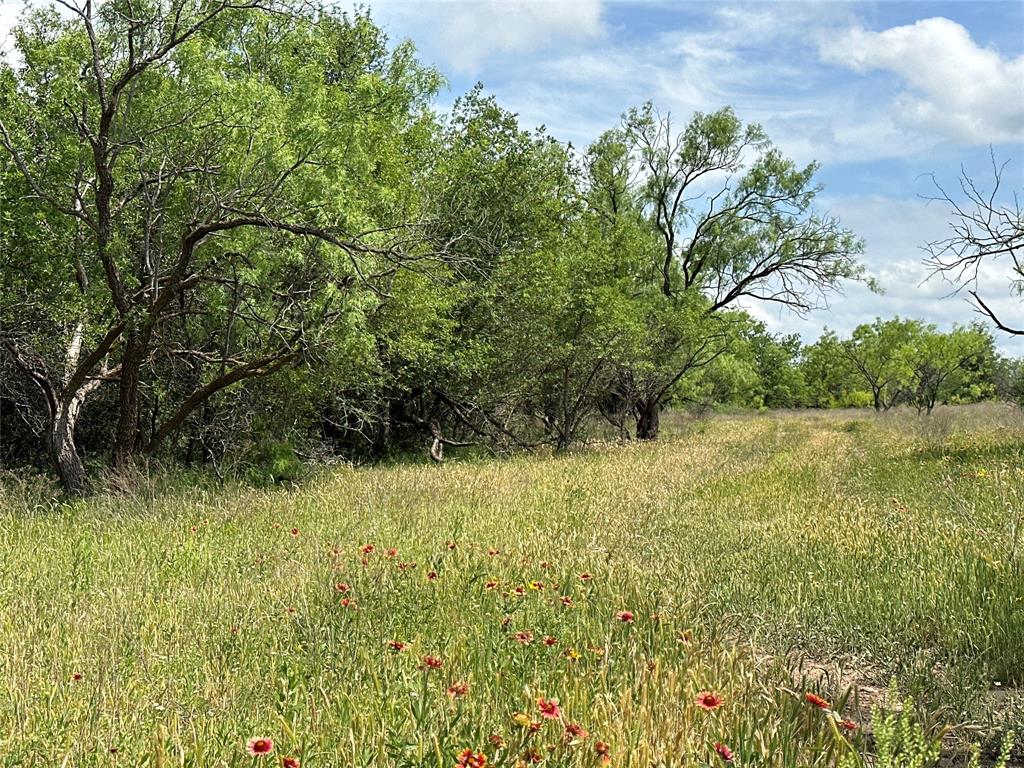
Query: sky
[(881, 94)]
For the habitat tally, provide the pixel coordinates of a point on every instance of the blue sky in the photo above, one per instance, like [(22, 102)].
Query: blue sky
[(880, 93)]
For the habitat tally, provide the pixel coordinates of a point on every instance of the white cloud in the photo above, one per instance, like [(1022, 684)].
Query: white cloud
[(467, 32), (955, 87)]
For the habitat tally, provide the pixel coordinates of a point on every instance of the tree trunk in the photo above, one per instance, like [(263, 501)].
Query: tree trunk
[(61, 448), (648, 420), (126, 437)]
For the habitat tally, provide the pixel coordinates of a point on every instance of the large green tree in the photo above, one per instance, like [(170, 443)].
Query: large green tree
[(194, 193)]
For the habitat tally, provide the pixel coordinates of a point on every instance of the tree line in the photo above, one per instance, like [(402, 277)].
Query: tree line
[(225, 223)]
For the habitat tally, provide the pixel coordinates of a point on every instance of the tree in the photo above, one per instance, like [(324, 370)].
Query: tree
[(196, 192), (728, 219), (987, 229), (877, 353), (942, 365)]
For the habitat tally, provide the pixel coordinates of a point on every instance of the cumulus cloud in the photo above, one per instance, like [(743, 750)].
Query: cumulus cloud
[(964, 91), (468, 32)]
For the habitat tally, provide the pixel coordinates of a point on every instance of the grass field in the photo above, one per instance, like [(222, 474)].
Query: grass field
[(755, 558)]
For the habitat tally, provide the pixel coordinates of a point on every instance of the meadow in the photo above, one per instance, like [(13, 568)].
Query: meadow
[(819, 589)]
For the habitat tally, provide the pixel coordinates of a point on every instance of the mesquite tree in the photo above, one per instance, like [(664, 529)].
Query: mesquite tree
[(194, 192), (732, 221)]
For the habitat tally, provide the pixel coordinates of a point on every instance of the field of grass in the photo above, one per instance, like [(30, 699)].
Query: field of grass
[(399, 615)]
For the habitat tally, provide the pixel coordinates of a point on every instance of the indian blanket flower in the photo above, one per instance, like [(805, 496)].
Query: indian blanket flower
[(259, 746), (295, 531), (367, 549), (432, 576), (550, 641), (290, 762), (571, 654), (392, 552), (816, 700), (397, 646), (525, 637), (575, 731), (549, 708), (521, 719), (602, 749), (348, 602), (585, 577), (709, 700), (723, 752), (566, 600), (491, 584), (432, 662), (470, 759), (493, 552), (848, 725), (536, 585), (341, 586), (625, 616), (496, 740), (458, 689)]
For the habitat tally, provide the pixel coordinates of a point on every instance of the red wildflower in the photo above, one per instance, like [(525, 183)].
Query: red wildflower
[(470, 759), (848, 725), (259, 746), (550, 641), (432, 662), (77, 677), (549, 708), (525, 637), (816, 700), (392, 552), (295, 531), (397, 646), (601, 748), (566, 601), (532, 756), (496, 740), (289, 762), (506, 620), (585, 577), (545, 564), (368, 549), (450, 544), (348, 602), (341, 586), (625, 616), (575, 731), (520, 590), (709, 700), (493, 552), (455, 690), (432, 576), (491, 584), (724, 752)]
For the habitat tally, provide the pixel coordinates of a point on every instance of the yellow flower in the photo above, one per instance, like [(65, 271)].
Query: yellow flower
[(521, 718)]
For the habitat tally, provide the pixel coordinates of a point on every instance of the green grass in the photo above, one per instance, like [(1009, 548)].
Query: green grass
[(762, 557)]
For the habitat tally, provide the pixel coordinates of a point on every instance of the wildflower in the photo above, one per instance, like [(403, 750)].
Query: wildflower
[(575, 731), (458, 689), (602, 749), (259, 746), (348, 602), (491, 584), (392, 552), (194, 529), (813, 698), (550, 641), (289, 610), (724, 752), (450, 544), (341, 586), (233, 630), (534, 727), (709, 700), (571, 654), (432, 662), (77, 677), (397, 645), (493, 552), (686, 637), (432, 576), (295, 531), (525, 637), (532, 756), (566, 601), (367, 549), (625, 616), (496, 740), (289, 762), (549, 708), (365, 561), (585, 577), (470, 759), (848, 725), (506, 620), (536, 585), (521, 718), (519, 591)]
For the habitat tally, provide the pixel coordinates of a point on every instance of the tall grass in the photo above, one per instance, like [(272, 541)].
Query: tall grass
[(170, 626)]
